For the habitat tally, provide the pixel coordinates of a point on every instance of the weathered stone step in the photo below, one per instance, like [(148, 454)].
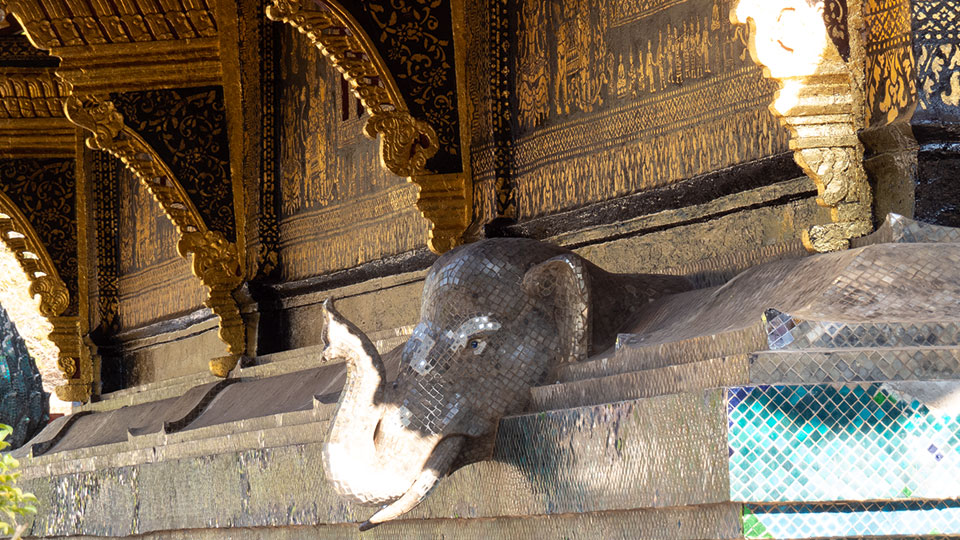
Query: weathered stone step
[(813, 366), (631, 356), (774, 331), (757, 445), (855, 365), (644, 383), (249, 368)]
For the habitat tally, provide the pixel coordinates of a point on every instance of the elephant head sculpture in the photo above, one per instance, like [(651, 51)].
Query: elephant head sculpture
[(496, 317)]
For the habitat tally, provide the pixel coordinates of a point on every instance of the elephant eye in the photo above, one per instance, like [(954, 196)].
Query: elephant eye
[(477, 345)]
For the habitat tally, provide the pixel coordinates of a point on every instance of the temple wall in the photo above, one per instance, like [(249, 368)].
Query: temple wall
[(636, 133), (155, 281), (615, 97), (338, 207)]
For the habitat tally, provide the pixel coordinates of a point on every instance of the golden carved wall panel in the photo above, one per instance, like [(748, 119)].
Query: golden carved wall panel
[(891, 88), (407, 143), (617, 97), (338, 206), (937, 50), (214, 259), (123, 48), (155, 282)]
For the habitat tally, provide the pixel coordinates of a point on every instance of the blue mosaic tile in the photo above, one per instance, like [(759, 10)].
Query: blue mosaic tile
[(850, 442), (851, 520)]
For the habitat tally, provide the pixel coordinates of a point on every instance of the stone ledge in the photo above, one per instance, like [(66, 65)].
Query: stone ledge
[(720, 521), (752, 444), (618, 456)]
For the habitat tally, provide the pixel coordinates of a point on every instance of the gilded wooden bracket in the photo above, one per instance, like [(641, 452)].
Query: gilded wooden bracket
[(216, 261), (820, 101), (406, 143), (74, 360)]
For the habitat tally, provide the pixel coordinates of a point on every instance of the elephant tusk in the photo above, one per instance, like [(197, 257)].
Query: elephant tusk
[(436, 467)]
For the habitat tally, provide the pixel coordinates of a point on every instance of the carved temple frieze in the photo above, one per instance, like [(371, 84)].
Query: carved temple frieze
[(417, 119), (806, 48), (215, 259), (32, 123), (106, 47)]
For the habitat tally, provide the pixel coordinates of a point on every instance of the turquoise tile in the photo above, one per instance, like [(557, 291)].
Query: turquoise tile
[(826, 443)]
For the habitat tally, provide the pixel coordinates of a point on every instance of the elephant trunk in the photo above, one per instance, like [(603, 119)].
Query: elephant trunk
[(370, 457), (350, 455)]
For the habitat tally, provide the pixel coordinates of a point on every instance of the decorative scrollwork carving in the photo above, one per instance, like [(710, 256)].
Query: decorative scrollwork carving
[(406, 143), (54, 297), (68, 366), (75, 360), (36, 262), (217, 264), (817, 102), (216, 261)]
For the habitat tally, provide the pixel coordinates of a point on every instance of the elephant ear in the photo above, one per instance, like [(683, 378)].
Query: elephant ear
[(562, 284)]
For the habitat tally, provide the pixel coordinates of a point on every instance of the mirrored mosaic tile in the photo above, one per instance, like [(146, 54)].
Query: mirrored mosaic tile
[(915, 518), (838, 442), (784, 331), (854, 365), (902, 229)]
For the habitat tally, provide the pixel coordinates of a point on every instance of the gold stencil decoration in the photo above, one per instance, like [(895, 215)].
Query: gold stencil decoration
[(818, 100), (216, 261), (74, 360), (406, 143), (891, 86), (936, 30)]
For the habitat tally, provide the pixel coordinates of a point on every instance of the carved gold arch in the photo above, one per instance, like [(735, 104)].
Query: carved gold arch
[(821, 102), (406, 143), (216, 261), (75, 360), (110, 48)]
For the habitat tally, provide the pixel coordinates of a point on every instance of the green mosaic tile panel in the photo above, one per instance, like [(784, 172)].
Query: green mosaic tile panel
[(849, 442)]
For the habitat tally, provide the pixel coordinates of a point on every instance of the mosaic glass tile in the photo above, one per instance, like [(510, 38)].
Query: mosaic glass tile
[(902, 229), (787, 332), (855, 365), (848, 442), (856, 519)]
